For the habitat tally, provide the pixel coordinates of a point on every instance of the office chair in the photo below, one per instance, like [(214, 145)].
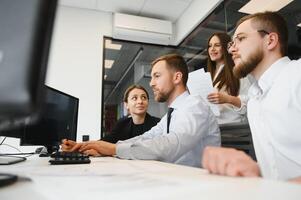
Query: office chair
[(238, 136)]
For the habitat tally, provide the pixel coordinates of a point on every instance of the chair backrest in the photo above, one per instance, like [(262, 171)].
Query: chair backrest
[(238, 136)]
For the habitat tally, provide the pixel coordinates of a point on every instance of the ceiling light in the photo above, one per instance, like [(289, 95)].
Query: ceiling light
[(255, 6), (299, 25), (110, 45), (109, 64)]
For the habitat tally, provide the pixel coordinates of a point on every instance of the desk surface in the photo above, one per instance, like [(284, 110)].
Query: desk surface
[(111, 178)]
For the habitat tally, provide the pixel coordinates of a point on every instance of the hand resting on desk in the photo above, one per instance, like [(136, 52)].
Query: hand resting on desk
[(229, 162), (93, 148)]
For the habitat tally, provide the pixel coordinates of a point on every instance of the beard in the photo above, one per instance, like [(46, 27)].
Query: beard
[(162, 97), (246, 66)]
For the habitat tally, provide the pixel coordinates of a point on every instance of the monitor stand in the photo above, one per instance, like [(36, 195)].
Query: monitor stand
[(8, 160)]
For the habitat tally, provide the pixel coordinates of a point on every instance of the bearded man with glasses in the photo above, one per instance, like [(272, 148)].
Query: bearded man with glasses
[(259, 48)]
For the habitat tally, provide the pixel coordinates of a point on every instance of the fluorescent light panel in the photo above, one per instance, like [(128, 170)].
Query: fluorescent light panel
[(255, 6), (110, 45), (109, 64)]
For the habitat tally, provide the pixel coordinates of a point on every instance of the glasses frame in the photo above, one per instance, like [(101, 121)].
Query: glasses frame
[(233, 42)]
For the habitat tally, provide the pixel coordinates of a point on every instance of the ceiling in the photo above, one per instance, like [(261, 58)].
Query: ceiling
[(159, 9)]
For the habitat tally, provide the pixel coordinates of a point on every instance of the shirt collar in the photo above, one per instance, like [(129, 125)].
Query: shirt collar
[(268, 77), (178, 101)]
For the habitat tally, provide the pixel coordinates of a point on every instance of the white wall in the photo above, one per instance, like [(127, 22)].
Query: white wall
[(75, 62)]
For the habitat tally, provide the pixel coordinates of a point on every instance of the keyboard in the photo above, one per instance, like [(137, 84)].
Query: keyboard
[(62, 158)]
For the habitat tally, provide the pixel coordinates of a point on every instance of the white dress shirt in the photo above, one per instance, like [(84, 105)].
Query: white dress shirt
[(192, 127), (228, 112), (274, 112)]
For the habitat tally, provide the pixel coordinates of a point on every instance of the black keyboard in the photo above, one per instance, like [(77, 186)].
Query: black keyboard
[(62, 158)]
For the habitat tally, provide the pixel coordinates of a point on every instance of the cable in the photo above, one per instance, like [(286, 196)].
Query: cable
[(16, 154), (2, 141), (13, 147)]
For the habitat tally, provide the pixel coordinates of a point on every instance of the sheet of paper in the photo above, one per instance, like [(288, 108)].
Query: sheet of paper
[(200, 83)]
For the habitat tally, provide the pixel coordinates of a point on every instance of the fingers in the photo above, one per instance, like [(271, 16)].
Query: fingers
[(213, 98), (228, 161), (67, 144), (86, 146), (213, 161), (70, 145), (76, 147), (65, 147), (91, 152)]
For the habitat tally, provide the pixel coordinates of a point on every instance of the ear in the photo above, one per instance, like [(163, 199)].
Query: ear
[(178, 77), (272, 41)]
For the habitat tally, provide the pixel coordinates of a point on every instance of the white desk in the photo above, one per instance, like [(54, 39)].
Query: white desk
[(111, 178)]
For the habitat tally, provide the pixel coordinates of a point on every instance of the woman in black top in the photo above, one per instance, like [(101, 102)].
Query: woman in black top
[(139, 121)]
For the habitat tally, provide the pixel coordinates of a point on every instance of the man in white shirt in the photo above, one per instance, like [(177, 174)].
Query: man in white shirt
[(259, 47), (192, 125)]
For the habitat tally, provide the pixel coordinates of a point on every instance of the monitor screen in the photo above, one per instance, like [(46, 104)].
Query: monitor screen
[(25, 35), (26, 28), (58, 121)]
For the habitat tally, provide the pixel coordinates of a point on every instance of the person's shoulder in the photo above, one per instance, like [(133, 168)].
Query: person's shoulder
[(295, 64), (194, 101), (152, 118), (294, 70), (124, 120)]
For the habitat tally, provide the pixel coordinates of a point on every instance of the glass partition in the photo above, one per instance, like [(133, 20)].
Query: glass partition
[(126, 62)]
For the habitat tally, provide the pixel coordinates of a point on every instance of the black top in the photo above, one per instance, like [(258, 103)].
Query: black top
[(125, 128)]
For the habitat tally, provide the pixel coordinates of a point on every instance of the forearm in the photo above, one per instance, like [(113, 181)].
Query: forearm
[(106, 148), (158, 148)]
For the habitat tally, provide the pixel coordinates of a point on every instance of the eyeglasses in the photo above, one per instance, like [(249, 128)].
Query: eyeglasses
[(239, 38)]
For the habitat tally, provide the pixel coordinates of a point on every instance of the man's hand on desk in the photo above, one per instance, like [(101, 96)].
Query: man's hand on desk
[(101, 147), (70, 145), (93, 148), (229, 162)]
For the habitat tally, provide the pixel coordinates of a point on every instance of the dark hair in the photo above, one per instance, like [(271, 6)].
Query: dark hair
[(129, 89), (270, 22), (175, 62), (226, 77)]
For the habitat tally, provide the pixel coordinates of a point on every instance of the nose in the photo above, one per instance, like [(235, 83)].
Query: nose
[(151, 83), (232, 48), (139, 100)]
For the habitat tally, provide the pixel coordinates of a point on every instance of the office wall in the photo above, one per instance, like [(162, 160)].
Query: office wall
[(75, 62)]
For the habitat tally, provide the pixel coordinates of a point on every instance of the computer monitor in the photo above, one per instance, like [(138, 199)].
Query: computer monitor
[(58, 121), (26, 28)]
